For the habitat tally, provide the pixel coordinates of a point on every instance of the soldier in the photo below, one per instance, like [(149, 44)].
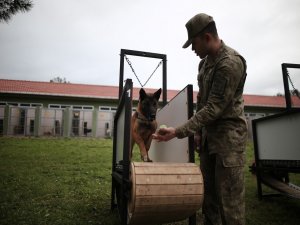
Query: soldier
[(219, 126)]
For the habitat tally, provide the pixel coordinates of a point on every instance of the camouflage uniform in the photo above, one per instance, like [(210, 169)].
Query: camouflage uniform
[(220, 120)]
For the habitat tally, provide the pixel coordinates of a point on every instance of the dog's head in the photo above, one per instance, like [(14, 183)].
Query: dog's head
[(148, 103)]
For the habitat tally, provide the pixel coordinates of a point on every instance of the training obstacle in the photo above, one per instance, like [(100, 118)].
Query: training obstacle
[(164, 192), (167, 190), (277, 146)]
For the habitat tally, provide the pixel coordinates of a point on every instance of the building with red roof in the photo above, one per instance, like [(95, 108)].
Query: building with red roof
[(24, 102)]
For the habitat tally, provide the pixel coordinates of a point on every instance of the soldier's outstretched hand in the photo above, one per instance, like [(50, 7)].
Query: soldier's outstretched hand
[(164, 134)]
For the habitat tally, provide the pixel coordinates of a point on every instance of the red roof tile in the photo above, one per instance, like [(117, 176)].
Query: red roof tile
[(111, 92), (57, 89)]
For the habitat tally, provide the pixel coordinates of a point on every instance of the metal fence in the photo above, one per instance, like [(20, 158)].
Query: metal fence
[(105, 124), (51, 122), (82, 122), (30, 121), (21, 121)]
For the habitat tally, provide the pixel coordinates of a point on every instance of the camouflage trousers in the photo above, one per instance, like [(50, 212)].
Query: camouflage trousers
[(224, 190)]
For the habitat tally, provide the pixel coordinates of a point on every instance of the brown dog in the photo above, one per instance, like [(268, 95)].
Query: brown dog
[(143, 123)]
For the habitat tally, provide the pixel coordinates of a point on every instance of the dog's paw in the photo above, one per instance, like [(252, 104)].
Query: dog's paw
[(146, 158)]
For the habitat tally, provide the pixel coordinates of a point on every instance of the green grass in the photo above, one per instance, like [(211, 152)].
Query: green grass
[(68, 181), (55, 181)]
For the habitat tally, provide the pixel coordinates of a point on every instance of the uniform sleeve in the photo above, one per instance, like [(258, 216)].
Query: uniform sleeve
[(198, 104), (226, 79)]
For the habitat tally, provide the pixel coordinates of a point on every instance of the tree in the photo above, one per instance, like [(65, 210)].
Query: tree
[(59, 80), (11, 7)]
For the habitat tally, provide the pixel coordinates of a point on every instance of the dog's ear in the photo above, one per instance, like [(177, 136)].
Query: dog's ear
[(157, 94), (142, 94)]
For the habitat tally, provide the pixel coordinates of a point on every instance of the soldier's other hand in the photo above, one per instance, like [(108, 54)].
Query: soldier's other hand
[(164, 134), (197, 142)]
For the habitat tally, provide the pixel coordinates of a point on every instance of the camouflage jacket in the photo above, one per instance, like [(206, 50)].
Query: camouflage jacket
[(220, 105)]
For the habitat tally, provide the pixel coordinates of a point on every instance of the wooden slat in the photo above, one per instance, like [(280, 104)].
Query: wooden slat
[(166, 209), (169, 179), (167, 170), (162, 164), (169, 189), (280, 186), (171, 216), (169, 200)]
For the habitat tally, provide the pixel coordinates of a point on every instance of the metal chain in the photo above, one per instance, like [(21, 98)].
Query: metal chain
[(291, 82), (130, 64), (153, 73)]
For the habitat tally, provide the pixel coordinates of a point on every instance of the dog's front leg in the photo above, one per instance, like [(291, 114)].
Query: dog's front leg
[(144, 155), (140, 142), (148, 144)]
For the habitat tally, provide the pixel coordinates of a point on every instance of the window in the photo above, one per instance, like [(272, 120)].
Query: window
[(51, 106), (88, 107), (78, 107), (36, 105), (22, 104), (84, 107), (256, 115), (25, 104), (104, 108), (65, 106), (12, 103), (108, 108)]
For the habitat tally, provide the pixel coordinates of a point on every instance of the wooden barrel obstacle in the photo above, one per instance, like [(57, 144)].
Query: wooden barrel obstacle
[(164, 192)]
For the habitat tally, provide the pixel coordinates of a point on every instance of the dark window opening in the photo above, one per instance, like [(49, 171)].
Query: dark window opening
[(57, 127), (75, 123), (1, 126), (31, 128), (85, 129)]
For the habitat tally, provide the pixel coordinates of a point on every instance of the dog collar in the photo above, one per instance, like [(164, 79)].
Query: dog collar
[(143, 118)]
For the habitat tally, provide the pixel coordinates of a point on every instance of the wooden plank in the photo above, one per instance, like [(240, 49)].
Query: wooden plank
[(163, 164), (158, 218), (131, 202), (167, 170), (169, 200), (169, 179), (166, 209), (280, 186), (171, 216), (169, 189)]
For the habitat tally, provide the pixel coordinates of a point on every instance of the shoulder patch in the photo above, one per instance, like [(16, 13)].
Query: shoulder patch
[(219, 85)]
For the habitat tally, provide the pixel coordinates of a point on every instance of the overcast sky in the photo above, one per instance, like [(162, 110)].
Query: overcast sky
[(81, 40)]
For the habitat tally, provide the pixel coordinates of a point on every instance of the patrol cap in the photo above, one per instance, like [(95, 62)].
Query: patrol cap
[(195, 25)]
